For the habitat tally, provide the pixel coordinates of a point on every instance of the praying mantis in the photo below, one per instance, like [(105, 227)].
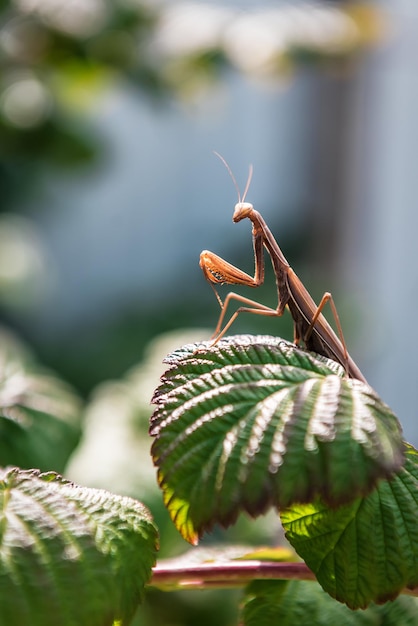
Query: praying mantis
[(310, 326)]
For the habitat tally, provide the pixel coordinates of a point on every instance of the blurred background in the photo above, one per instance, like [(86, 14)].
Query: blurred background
[(109, 114)]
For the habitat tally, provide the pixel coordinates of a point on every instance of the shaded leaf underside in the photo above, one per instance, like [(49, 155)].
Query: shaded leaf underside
[(367, 550), (268, 603)]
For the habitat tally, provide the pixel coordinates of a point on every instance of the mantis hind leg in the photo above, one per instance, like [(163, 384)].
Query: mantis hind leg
[(327, 297)]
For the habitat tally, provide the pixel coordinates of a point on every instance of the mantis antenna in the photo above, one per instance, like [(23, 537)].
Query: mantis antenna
[(248, 183)]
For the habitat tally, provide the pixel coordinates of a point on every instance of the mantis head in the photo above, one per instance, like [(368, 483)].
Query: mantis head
[(242, 210)]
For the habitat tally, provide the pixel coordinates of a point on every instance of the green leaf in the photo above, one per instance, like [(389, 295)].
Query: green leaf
[(70, 555), (39, 417), (270, 603), (365, 551), (255, 422)]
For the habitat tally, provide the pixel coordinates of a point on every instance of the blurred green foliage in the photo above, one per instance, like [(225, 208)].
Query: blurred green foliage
[(40, 416), (57, 57)]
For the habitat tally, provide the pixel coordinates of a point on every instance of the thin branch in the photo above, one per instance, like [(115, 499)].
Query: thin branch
[(231, 574), (225, 574)]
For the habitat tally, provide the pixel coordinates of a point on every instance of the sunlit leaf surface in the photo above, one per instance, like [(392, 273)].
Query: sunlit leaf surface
[(70, 555), (255, 422)]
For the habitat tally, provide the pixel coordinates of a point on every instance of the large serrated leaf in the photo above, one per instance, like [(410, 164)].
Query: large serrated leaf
[(365, 551), (270, 603), (70, 555), (255, 422)]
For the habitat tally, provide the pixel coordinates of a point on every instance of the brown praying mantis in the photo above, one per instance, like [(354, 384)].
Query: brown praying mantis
[(310, 326)]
